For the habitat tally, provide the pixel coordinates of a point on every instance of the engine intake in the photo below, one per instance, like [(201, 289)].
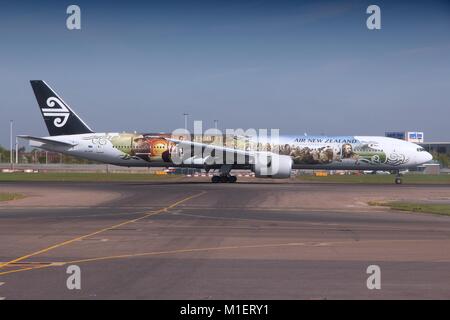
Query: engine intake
[(271, 165)]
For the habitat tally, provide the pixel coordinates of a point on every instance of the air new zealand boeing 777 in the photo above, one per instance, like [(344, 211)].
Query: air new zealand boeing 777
[(70, 135)]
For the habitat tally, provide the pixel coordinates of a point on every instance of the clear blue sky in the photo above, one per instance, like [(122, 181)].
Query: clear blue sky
[(300, 66)]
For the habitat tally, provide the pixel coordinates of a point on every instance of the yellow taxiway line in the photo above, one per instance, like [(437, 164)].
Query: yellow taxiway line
[(176, 251), (61, 244), (208, 249)]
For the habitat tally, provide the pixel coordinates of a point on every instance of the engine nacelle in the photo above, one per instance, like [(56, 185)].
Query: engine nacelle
[(271, 165)]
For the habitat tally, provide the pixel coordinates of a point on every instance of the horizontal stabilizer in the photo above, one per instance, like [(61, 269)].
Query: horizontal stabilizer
[(48, 141)]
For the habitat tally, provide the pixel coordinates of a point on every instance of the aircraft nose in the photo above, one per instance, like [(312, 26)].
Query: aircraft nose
[(427, 156)]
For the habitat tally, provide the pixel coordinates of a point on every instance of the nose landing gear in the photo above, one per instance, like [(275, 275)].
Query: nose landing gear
[(398, 178)]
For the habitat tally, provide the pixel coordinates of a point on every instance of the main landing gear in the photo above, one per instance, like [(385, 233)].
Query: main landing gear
[(224, 179), (224, 176)]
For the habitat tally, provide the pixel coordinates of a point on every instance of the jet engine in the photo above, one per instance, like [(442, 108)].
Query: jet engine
[(271, 165)]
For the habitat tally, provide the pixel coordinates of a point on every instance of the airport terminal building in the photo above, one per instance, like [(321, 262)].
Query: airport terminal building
[(418, 137), (437, 147)]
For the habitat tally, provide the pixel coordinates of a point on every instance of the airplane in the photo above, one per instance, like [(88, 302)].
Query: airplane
[(69, 134)]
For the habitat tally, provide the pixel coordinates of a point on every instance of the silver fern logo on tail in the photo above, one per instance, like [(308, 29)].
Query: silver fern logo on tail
[(60, 113)]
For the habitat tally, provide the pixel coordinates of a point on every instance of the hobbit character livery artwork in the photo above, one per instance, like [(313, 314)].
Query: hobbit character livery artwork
[(267, 158)]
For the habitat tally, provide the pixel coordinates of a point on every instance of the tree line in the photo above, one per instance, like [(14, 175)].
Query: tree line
[(40, 156)]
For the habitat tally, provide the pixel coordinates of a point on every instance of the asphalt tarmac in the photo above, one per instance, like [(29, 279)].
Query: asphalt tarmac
[(196, 240)]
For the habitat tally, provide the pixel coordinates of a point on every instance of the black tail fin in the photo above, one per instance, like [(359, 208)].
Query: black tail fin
[(58, 116)]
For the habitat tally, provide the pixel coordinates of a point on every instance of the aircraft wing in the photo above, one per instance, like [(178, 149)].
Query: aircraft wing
[(211, 149), (48, 141)]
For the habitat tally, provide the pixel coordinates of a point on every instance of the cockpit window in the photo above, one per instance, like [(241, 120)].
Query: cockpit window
[(420, 149)]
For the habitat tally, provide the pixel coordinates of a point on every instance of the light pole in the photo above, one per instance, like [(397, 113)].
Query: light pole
[(11, 144), (17, 150), (185, 120), (216, 124)]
